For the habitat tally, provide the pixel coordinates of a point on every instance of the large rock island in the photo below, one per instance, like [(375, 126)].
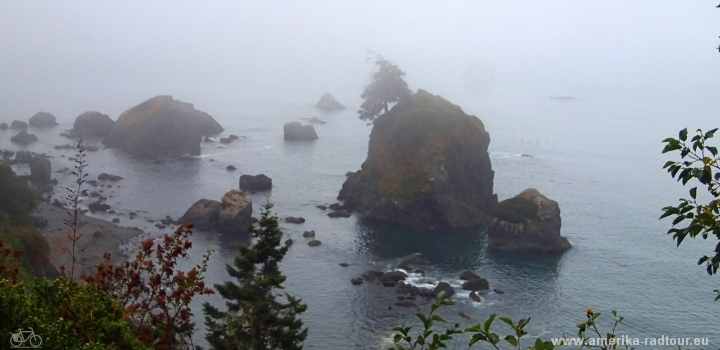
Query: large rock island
[(527, 223), (161, 126), (427, 166)]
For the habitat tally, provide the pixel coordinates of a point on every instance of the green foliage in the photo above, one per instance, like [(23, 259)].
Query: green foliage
[(692, 217), (386, 86), (516, 210), (18, 200), (255, 319), (482, 332), (81, 317)]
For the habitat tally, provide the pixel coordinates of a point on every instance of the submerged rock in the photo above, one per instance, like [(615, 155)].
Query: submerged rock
[(407, 261), (329, 103), (108, 177), (427, 166), (295, 220), (356, 281), (43, 120), (314, 243), (162, 126), (339, 214), (91, 124), (527, 223), (23, 138), (295, 131)]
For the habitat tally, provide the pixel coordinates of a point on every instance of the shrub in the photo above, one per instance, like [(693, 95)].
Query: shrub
[(18, 200), (516, 210)]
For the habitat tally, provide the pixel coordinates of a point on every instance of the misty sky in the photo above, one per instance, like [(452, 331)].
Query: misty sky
[(72, 56)]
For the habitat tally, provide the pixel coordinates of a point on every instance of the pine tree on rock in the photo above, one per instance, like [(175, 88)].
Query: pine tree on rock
[(255, 319)]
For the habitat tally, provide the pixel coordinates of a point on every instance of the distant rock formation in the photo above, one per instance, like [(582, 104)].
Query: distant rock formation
[(255, 183), (315, 120), (527, 223), (427, 166), (161, 126), (3, 126), (40, 169), (19, 125), (23, 138), (295, 131), (230, 215), (43, 120), (91, 124), (329, 103)]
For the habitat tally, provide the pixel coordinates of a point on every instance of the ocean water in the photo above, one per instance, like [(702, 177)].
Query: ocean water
[(599, 159)]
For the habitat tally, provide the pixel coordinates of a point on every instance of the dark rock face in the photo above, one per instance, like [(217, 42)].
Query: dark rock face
[(23, 157), (203, 213), (329, 103), (230, 215), (161, 126), (476, 284), (19, 125), (91, 124), (255, 183), (43, 120), (24, 138), (295, 131), (108, 177), (427, 166), (3, 126), (444, 286), (539, 234), (356, 281), (407, 261), (40, 169)]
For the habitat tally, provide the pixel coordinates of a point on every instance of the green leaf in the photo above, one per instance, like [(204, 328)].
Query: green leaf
[(512, 340), (437, 318), (683, 134), (693, 192), (710, 133), (488, 322), (397, 338), (506, 320)]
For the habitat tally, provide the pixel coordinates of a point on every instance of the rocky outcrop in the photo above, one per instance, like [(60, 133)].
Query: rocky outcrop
[(444, 287), (329, 103), (315, 120), (23, 157), (23, 138), (295, 131), (40, 169), (43, 120), (255, 183), (161, 126), (427, 166), (91, 124), (19, 125), (527, 223), (3, 126), (230, 215)]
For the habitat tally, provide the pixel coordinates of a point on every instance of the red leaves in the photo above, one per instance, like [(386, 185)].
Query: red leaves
[(156, 297)]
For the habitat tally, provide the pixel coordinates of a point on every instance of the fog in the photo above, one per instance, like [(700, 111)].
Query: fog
[(69, 57)]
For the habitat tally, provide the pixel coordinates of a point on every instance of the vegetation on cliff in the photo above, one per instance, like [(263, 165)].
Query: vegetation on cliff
[(516, 210), (386, 86)]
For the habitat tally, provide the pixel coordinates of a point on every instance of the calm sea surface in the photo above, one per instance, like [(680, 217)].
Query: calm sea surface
[(600, 160)]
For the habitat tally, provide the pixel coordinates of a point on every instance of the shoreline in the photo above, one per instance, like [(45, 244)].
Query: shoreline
[(98, 236)]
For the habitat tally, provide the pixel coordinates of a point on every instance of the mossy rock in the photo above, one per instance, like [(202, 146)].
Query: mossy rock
[(516, 210)]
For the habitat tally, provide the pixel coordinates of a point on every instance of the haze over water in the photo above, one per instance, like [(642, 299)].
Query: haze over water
[(639, 72)]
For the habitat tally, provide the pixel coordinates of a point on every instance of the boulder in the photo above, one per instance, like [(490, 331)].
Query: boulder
[(40, 170), (23, 157), (321, 207), (230, 168), (336, 206), (329, 103), (343, 264), (161, 126), (468, 276), (295, 131), (475, 297), (371, 275), (339, 214), (356, 281), (444, 286), (527, 223), (3, 126), (308, 234), (203, 213), (407, 261), (108, 177), (8, 153), (394, 276), (315, 120), (43, 120), (289, 242), (294, 220), (314, 243), (476, 284), (427, 166), (24, 138), (19, 125), (235, 211), (498, 291), (98, 206), (90, 125), (228, 139), (255, 183)]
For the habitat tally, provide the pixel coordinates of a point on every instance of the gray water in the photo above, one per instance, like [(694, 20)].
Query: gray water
[(599, 159)]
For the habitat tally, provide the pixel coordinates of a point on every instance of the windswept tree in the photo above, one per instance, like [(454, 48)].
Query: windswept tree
[(386, 86), (255, 319)]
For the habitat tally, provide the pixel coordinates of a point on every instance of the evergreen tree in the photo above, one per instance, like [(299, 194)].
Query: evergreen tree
[(386, 86), (255, 319)]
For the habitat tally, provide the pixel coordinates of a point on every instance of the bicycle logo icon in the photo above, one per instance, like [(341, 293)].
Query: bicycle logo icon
[(18, 340)]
